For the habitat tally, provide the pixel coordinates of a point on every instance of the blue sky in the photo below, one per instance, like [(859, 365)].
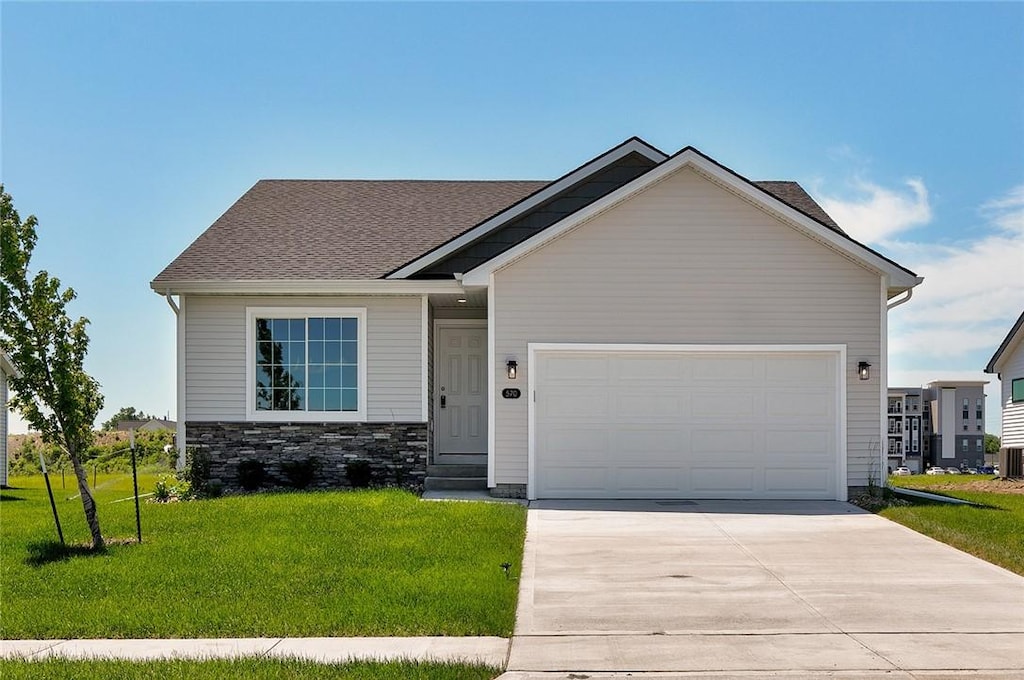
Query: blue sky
[(127, 128)]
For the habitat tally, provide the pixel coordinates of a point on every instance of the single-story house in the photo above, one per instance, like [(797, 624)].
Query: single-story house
[(645, 326), (1008, 364), (147, 425), (6, 369)]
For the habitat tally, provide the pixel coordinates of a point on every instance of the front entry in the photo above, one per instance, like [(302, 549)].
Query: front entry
[(460, 393)]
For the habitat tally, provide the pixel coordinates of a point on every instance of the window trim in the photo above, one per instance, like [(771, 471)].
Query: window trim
[(1013, 384), (251, 314)]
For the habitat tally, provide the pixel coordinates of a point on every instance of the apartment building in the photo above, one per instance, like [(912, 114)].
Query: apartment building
[(942, 423)]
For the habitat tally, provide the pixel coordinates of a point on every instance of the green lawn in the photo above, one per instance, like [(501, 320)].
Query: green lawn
[(994, 533), (290, 564), (256, 669)]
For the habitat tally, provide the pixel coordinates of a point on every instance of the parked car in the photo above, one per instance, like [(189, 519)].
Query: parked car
[(902, 472), (936, 471), (952, 471), (968, 471), (986, 470)]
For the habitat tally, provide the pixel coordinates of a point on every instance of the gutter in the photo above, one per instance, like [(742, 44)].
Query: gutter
[(897, 303), (914, 493)]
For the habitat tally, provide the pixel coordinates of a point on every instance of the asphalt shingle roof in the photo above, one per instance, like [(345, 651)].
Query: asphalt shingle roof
[(360, 229)]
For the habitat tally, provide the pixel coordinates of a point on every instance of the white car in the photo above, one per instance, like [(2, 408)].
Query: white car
[(952, 471), (935, 471), (902, 472)]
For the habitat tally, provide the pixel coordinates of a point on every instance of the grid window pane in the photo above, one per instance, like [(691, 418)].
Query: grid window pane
[(307, 364)]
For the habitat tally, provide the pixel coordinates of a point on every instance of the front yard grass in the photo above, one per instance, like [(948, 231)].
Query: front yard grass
[(289, 564), (250, 668), (994, 533)]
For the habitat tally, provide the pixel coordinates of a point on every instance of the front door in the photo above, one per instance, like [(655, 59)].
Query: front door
[(460, 391)]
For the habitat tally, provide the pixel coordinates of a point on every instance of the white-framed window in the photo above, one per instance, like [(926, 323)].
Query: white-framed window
[(306, 364), (978, 409), (979, 445), (963, 445)]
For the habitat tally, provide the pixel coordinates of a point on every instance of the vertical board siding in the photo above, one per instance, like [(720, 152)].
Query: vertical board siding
[(1013, 414), (215, 354), (688, 262)]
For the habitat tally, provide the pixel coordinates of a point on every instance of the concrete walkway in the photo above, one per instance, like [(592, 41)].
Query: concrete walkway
[(492, 651), (731, 588)]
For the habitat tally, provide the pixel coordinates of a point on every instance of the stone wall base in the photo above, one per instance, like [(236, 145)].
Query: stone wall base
[(395, 452), (509, 491)]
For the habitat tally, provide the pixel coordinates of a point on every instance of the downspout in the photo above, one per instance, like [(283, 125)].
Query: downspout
[(897, 303), (179, 430)]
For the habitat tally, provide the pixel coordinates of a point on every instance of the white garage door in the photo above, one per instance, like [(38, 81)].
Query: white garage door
[(686, 424)]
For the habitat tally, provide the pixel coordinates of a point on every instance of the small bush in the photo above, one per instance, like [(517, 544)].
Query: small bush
[(300, 474), (168, 489), (251, 474), (196, 472), (359, 473)]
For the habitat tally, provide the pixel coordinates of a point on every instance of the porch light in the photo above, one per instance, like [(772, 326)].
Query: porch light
[(864, 370), (462, 301), (510, 368)]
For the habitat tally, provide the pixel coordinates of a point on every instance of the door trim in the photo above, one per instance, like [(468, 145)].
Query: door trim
[(434, 414), (534, 348)]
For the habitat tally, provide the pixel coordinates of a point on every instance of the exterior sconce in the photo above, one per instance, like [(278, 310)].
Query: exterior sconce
[(864, 370), (510, 368)]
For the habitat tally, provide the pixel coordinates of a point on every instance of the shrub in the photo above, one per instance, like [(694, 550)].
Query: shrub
[(300, 473), (251, 474), (168, 489), (359, 473), (196, 472)]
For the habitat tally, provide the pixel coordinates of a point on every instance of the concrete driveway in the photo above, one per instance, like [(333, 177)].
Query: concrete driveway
[(752, 587)]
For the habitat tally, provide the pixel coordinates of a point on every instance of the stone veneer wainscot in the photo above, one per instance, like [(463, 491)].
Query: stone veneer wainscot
[(397, 452)]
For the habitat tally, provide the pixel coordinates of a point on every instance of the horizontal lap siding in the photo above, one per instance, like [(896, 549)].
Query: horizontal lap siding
[(687, 262), (215, 354), (1013, 414)]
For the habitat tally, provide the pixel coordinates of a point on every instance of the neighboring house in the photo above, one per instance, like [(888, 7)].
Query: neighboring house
[(645, 326), (6, 369), (148, 425), (1008, 364), (942, 423)]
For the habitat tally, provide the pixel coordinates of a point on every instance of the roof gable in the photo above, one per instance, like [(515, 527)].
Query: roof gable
[(1012, 339), (820, 227)]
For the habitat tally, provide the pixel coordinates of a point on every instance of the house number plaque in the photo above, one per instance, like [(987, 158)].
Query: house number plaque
[(511, 393)]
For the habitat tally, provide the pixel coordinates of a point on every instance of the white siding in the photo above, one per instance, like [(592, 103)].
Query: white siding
[(688, 262), (1013, 414), (215, 354)]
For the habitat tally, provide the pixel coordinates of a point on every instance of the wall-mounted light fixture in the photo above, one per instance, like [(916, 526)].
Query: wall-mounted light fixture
[(864, 370), (510, 368)]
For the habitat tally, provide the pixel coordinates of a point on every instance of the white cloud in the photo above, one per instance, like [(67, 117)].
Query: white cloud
[(972, 291), (878, 213)]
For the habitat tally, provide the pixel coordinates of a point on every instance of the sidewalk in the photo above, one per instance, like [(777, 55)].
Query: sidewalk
[(491, 651)]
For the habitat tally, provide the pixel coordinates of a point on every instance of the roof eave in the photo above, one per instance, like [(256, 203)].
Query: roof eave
[(1012, 338), (304, 287)]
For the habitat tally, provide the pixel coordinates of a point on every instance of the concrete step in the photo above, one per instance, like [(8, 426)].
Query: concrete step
[(462, 470), (454, 483)]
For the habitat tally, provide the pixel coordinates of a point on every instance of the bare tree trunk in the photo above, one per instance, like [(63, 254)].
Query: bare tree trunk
[(88, 504)]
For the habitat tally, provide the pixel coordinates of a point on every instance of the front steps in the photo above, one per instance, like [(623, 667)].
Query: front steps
[(462, 477)]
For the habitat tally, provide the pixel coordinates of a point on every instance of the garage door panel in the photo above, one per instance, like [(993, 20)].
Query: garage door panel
[(718, 480), (804, 481), (805, 403), (647, 405), (686, 425)]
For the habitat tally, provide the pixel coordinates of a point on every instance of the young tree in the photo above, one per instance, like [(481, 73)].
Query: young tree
[(992, 443), (54, 393)]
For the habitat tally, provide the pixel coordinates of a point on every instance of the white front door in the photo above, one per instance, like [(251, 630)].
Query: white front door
[(460, 391)]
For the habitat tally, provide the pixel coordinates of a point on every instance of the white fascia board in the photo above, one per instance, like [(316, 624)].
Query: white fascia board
[(7, 367), (308, 287), (531, 202), (899, 279)]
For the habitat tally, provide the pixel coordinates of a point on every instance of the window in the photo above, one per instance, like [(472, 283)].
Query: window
[(306, 364), (967, 409), (963, 445), (1017, 390), (978, 409), (965, 427), (979, 445), (979, 427)]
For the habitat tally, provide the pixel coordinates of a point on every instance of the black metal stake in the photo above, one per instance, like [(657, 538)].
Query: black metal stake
[(134, 481), (53, 504)]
